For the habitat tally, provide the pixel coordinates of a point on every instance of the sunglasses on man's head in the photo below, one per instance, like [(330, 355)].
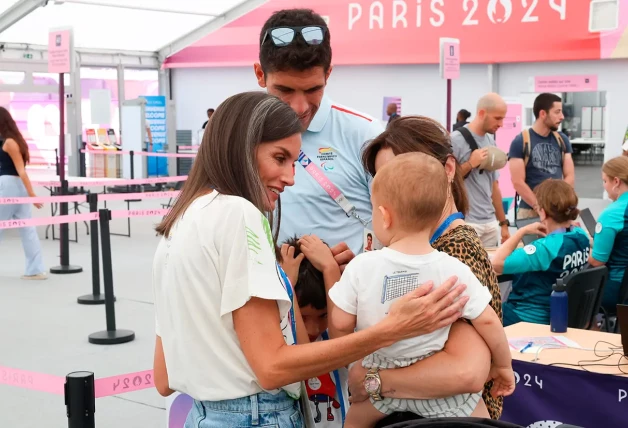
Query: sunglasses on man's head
[(283, 36)]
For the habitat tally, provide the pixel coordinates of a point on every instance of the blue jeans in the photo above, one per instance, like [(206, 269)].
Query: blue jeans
[(12, 187), (259, 410)]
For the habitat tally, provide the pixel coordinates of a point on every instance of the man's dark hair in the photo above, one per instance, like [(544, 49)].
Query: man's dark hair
[(310, 286), (210, 110), (298, 55), (544, 102)]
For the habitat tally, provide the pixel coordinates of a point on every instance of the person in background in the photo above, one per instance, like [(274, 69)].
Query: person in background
[(409, 194), (610, 243), (210, 112), (454, 237), (392, 110), (228, 333), (548, 154), (308, 264), (486, 209), (14, 183), (462, 118), (295, 65), (562, 250)]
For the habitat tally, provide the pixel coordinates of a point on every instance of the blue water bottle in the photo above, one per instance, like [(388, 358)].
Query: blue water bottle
[(559, 308)]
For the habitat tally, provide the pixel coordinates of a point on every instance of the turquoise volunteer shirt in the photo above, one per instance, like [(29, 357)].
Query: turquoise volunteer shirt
[(334, 142), (610, 246), (537, 266)]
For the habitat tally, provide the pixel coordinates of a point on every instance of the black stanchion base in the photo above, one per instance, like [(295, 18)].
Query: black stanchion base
[(111, 337), (92, 299), (62, 270)]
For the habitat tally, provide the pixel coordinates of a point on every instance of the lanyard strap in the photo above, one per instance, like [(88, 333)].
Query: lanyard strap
[(338, 386), (329, 187), (444, 225), (288, 287)]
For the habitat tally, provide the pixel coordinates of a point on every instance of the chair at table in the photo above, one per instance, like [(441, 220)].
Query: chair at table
[(585, 289), (610, 317)]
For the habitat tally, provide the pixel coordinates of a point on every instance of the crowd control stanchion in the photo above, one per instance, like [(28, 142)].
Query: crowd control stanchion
[(80, 399), (64, 236), (449, 105), (111, 336), (95, 298)]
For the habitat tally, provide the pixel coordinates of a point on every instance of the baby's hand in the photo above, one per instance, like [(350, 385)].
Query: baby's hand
[(503, 381), (290, 264), (317, 252)]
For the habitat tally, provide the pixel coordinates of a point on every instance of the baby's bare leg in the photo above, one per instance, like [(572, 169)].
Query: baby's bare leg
[(363, 415), (480, 410)]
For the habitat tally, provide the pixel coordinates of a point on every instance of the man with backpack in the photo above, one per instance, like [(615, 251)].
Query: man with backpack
[(539, 153), (480, 159)]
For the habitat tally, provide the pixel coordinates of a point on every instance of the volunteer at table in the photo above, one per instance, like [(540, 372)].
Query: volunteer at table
[(610, 244), (561, 251)]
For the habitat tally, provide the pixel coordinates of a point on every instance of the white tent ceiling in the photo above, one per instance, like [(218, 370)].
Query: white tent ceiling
[(164, 26)]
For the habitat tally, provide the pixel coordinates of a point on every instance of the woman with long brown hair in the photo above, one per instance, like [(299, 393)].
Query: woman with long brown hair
[(224, 308), (453, 236), (14, 183)]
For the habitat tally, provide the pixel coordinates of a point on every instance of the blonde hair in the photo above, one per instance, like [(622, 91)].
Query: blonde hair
[(617, 168), (415, 186), (558, 199)]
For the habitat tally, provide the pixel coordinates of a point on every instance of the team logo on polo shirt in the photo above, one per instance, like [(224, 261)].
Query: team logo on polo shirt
[(598, 227), (326, 156), (529, 249)]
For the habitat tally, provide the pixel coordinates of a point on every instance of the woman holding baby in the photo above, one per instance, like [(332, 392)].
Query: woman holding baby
[(228, 331)]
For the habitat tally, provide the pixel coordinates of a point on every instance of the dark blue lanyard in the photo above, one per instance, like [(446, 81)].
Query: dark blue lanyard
[(288, 287), (338, 386), (444, 225)]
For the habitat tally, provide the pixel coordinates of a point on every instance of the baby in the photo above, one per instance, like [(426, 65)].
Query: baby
[(408, 197)]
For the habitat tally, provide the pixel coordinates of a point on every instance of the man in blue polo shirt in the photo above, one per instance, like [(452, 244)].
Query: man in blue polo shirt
[(331, 195)]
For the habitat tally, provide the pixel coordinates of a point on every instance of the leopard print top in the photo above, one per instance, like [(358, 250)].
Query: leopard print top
[(464, 244)]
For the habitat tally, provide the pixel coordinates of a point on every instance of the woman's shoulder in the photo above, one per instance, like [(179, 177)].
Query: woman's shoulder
[(9, 144), (460, 241), (464, 244)]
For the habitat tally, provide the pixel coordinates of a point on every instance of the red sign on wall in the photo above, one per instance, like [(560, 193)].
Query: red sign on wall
[(408, 32)]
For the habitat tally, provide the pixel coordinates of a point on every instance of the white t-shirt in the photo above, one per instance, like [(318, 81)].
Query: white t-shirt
[(219, 255), (322, 394), (374, 280)]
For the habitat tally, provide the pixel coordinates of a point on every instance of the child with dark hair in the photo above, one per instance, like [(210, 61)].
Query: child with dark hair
[(312, 270)]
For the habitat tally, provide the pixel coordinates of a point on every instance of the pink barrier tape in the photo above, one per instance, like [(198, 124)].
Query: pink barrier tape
[(46, 183), (111, 182), (188, 147), (14, 224), (31, 380), (167, 155), (139, 213), (125, 196), (43, 199), (123, 152), (115, 385)]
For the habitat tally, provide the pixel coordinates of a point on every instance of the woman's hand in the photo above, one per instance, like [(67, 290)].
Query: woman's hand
[(535, 229), (357, 373), (290, 264), (418, 313), (317, 252)]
